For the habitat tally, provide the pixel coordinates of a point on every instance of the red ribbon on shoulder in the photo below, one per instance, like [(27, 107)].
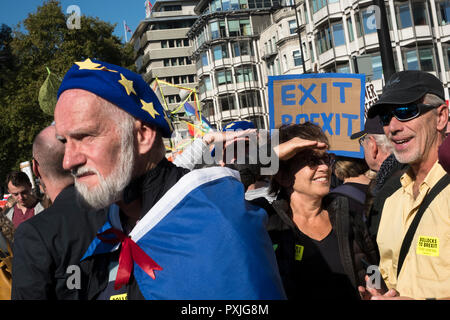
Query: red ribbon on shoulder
[(129, 253)]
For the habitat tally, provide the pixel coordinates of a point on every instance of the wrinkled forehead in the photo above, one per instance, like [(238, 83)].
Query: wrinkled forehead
[(79, 108)]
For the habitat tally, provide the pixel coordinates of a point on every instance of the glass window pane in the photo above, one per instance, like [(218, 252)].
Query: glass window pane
[(448, 58), (204, 59), (377, 67), (426, 59), (350, 29), (234, 4), (444, 9), (411, 60), (297, 58), (245, 27), (217, 51), (226, 5), (292, 26), (338, 34), (419, 13), (233, 28), (214, 30), (405, 16)]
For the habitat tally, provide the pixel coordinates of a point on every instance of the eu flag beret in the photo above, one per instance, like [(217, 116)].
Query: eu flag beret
[(120, 86), (239, 125)]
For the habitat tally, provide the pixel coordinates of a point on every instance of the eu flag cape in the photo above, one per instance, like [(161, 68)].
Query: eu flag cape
[(209, 241)]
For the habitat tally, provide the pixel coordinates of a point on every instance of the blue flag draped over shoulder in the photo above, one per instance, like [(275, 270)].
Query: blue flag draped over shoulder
[(210, 242)]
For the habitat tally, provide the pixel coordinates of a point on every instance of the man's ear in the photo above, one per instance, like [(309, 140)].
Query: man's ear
[(442, 119), (145, 137), (372, 144), (35, 167)]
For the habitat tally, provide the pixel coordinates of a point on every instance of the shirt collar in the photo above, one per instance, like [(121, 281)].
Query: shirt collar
[(433, 176)]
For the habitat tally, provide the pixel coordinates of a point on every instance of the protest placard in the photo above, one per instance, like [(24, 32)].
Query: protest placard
[(334, 101)]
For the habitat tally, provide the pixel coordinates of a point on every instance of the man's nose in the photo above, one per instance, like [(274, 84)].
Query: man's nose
[(73, 158), (394, 126)]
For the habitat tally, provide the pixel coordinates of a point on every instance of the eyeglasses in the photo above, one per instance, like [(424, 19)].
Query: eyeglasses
[(315, 160), (361, 140), (404, 113)]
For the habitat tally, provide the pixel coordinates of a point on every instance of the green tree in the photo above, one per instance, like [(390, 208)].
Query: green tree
[(46, 42)]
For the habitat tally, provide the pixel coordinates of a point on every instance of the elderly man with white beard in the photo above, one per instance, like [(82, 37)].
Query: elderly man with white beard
[(170, 234)]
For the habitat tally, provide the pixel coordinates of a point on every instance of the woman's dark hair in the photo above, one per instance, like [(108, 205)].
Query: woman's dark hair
[(307, 131)]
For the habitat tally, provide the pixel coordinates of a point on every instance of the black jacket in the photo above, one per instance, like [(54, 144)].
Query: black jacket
[(386, 183), (47, 244), (310, 278)]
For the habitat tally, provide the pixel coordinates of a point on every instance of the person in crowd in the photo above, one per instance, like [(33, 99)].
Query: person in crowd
[(169, 223), (49, 245), (414, 227), (444, 153), (379, 157), (355, 175), (27, 205), (320, 247)]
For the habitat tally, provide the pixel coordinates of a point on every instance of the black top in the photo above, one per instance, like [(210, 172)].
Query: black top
[(311, 269), (46, 245)]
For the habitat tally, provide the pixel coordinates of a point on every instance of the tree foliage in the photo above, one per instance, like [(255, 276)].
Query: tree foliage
[(24, 58)]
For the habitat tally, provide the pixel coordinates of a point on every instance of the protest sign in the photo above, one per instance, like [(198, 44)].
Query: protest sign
[(334, 101)]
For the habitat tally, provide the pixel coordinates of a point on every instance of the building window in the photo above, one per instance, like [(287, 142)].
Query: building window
[(404, 16), (214, 27), (419, 13), (377, 67), (338, 34), (292, 26), (204, 58), (324, 39), (421, 59), (223, 77), (245, 73), (444, 12), (297, 58), (166, 62), (242, 48), (234, 4), (343, 69), (426, 59), (186, 43), (249, 99), (220, 52), (164, 44), (351, 36), (227, 102)]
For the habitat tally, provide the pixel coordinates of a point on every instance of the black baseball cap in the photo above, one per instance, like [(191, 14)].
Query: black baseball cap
[(406, 87), (371, 126)]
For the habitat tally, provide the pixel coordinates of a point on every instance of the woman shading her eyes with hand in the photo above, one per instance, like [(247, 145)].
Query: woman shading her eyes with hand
[(320, 248)]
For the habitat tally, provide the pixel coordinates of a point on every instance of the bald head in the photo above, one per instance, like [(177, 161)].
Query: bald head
[(49, 153)]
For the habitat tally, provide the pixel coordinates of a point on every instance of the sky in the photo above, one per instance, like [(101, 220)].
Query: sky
[(113, 11)]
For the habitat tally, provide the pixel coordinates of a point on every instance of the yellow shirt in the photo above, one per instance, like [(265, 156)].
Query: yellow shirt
[(426, 269)]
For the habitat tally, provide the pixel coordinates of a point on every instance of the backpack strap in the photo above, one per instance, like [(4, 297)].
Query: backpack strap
[(406, 244), (350, 192)]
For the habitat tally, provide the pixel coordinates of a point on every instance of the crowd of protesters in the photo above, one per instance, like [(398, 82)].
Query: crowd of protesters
[(123, 222)]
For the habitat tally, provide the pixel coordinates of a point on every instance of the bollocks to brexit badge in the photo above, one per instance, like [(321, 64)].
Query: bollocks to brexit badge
[(120, 86)]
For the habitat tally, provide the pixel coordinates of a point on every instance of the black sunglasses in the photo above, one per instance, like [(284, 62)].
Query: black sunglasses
[(314, 160), (404, 113)]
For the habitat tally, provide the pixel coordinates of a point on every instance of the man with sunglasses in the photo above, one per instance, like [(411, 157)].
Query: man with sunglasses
[(414, 118), (379, 157)]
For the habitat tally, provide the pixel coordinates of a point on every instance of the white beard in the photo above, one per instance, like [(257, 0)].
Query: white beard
[(109, 189)]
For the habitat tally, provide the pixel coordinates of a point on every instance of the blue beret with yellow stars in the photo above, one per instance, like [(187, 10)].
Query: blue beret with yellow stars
[(239, 125), (120, 86)]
